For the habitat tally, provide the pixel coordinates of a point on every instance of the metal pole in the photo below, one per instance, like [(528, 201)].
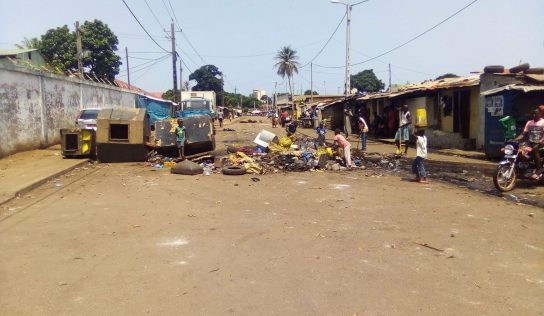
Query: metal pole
[(79, 51), (174, 61), (348, 49), (389, 78), (312, 82), (128, 68)]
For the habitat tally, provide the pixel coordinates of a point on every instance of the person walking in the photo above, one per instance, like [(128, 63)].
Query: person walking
[(220, 117), (418, 168), (343, 143), (363, 128)]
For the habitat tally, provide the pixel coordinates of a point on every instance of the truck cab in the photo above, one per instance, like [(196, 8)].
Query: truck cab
[(196, 106)]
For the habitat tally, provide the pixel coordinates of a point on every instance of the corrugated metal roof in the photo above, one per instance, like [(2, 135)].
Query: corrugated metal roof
[(446, 83), (539, 78), (517, 87), (16, 51)]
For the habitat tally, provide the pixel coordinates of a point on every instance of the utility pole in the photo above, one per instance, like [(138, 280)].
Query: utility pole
[(348, 50), (312, 82), (79, 51), (324, 87), (275, 95), (174, 61), (128, 68), (389, 88), (180, 78)]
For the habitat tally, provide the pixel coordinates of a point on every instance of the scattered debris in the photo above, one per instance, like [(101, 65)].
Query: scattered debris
[(429, 246)]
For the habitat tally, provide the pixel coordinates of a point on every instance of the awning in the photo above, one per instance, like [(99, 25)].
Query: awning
[(516, 87)]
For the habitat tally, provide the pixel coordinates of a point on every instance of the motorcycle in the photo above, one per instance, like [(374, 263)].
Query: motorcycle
[(517, 164)]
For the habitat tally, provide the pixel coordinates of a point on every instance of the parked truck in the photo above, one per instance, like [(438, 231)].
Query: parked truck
[(197, 116), (195, 103)]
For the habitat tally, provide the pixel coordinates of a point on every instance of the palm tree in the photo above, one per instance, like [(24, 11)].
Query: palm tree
[(287, 65), (29, 43)]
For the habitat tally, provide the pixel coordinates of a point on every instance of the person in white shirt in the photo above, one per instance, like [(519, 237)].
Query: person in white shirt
[(421, 148), (403, 133)]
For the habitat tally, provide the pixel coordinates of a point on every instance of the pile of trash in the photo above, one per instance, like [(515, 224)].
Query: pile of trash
[(273, 154), (159, 161)]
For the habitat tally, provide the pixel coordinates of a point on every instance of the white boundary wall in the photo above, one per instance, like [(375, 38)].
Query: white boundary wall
[(34, 106)]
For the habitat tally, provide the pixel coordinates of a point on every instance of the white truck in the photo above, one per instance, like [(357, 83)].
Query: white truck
[(193, 102)]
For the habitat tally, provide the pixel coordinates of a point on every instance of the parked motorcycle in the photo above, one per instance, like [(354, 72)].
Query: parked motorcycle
[(517, 164)]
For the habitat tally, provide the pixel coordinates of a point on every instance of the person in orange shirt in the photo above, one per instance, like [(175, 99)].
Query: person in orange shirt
[(343, 143)]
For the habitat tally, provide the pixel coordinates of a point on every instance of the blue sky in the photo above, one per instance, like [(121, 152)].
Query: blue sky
[(241, 37)]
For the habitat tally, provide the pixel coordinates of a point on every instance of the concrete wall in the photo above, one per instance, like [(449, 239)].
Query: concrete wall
[(34, 106)]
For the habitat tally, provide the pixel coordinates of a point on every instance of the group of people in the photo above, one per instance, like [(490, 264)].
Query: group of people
[(402, 137)]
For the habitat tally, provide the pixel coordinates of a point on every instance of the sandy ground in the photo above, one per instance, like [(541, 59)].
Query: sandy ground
[(130, 240)]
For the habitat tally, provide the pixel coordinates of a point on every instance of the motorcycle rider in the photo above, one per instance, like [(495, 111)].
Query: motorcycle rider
[(534, 131)]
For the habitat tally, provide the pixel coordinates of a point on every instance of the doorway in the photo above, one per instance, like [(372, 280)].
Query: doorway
[(461, 113)]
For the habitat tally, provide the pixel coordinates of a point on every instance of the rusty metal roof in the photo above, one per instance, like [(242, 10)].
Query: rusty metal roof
[(433, 85), (518, 87)]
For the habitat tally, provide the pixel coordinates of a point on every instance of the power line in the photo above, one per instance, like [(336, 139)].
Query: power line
[(192, 47), (327, 43), (410, 40), (146, 62), (153, 13), (143, 28)]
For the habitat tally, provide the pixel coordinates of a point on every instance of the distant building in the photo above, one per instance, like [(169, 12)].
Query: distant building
[(258, 94), (30, 57)]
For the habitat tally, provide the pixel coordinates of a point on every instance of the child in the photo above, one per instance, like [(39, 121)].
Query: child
[(321, 131), (343, 143), (180, 139), (363, 128), (421, 146)]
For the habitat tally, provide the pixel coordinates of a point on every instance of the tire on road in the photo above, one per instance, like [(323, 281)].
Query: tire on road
[(498, 178), (234, 170)]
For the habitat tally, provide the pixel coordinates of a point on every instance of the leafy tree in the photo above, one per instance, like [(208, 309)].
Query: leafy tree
[(309, 92), (31, 43), (367, 81), (58, 48), (287, 64), (208, 78), (101, 44), (448, 75), (169, 95), (233, 100)]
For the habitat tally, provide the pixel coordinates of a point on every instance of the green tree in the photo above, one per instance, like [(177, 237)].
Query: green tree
[(448, 75), (100, 44), (169, 95), (287, 65), (58, 48), (367, 81), (208, 78), (31, 43), (309, 92)]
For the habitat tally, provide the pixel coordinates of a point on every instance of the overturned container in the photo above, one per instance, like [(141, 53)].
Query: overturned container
[(77, 142), (264, 138), (121, 135)]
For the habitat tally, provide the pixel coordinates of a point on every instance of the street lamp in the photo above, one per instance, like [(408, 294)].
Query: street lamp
[(348, 41)]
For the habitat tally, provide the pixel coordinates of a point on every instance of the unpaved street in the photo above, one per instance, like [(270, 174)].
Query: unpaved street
[(123, 239)]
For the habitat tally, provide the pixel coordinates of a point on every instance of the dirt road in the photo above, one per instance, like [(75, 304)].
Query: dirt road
[(124, 239)]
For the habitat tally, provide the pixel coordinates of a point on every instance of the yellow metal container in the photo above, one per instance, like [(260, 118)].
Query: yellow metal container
[(421, 117)]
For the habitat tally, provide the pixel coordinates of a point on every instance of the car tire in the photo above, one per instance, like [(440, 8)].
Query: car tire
[(493, 69), (234, 170), (519, 68), (535, 71)]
